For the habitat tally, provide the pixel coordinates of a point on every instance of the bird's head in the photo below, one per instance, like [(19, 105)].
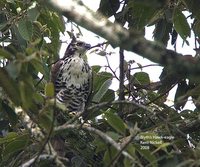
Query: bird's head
[(77, 46)]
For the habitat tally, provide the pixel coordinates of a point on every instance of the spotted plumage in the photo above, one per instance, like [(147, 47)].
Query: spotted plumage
[(71, 76)]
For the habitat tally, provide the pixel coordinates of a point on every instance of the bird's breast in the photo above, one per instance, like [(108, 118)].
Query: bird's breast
[(75, 71)]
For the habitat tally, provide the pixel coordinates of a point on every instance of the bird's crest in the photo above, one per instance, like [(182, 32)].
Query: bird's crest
[(76, 46)]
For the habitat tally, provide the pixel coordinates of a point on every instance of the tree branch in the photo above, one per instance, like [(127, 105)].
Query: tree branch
[(37, 133), (128, 40), (121, 80), (105, 137), (182, 129), (43, 157), (125, 144)]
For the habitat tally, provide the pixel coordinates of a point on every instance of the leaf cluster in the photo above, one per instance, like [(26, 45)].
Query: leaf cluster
[(147, 133)]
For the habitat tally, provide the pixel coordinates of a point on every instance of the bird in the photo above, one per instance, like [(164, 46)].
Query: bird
[(72, 76)]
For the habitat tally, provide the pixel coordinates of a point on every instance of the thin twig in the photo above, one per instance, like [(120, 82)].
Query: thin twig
[(161, 95), (98, 45), (149, 65), (109, 66), (39, 81), (125, 145), (48, 135), (103, 104)]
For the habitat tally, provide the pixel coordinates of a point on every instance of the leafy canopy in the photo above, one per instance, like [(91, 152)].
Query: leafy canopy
[(138, 129)]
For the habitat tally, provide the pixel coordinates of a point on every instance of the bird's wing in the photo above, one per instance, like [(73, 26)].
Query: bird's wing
[(90, 88), (55, 70), (91, 83)]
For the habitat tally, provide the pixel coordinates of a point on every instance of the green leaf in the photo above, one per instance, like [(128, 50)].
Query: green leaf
[(168, 78), (175, 161), (159, 15), (8, 138), (99, 144), (108, 8), (115, 136), (10, 86), (38, 31), (22, 43), (108, 96), (180, 98), (13, 69), (46, 118), (193, 6), (101, 53), (131, 150), (110, 153), (162, 31), (194, 92), (115, 121), (147, 155), (38, 98), (33, 14), (26, 93), (102, 91), (10, 113), (141, 78), (140, 12), (5, 55), (49, 89), (99, 79), (52, 31), (163, 146), (39, 66), (127, 162), (96, 68), (155, 95), (25, 28), (180, 24), (4, 26), (58, 20), (17, 144), (196, 28)]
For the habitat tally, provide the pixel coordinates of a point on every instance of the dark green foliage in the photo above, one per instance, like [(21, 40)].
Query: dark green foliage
[(162, 31), (149, 132), (180, 24), (109, 7)]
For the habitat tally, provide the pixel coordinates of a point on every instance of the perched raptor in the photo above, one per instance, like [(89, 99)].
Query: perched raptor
[(71, 76)]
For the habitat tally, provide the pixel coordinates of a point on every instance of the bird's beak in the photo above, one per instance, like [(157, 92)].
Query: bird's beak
[(87, 46)]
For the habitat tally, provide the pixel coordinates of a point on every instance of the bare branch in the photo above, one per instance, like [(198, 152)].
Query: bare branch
[(99, 45), (103, 104), (128, 40)]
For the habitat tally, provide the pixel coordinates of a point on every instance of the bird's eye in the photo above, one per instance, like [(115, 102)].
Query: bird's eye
[(79, 43)]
